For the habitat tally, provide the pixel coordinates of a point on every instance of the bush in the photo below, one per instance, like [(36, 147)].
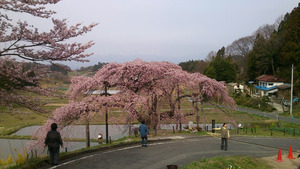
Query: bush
[(290, 131), (256, 103)]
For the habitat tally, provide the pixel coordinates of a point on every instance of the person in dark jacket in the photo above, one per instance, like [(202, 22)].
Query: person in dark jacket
[(53, 141), (143, 129)]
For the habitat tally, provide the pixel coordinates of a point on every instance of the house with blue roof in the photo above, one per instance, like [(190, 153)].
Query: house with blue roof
[(267, 85)]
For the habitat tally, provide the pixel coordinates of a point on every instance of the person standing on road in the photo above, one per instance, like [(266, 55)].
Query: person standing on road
[(53, 141), (224, 136), (143, 129)]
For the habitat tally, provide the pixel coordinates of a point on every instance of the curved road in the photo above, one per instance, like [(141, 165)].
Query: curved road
[(272, 115), (180, 151)]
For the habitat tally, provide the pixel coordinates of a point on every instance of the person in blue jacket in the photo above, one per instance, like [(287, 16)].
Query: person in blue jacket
[(143, 129)]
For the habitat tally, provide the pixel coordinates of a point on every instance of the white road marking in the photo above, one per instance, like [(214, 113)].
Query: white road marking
[(106, 152)]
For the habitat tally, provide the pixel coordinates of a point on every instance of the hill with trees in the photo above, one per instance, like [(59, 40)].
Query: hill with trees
[(271, 49), (194, 66), (275, 55), (93, 68)]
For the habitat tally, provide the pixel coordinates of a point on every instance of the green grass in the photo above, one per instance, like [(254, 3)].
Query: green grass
[(229, 162), (220, 117), (11, 123), (296, 111), (268, 128), (20, 117), (264, 132)]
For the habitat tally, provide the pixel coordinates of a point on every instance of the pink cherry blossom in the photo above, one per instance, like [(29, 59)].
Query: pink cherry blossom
[(143, 88), (20, 39)]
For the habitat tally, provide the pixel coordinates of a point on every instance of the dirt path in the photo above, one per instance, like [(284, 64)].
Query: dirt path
[(286, 163)]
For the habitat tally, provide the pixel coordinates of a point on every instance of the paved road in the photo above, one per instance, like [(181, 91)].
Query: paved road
[(180, 152), (269, 115)]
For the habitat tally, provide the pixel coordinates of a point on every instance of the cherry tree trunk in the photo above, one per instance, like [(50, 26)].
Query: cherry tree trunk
[(178, 94), (87, 132), (204, 124)]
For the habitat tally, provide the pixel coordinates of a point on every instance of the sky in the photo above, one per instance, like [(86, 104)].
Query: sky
[(166, 30)]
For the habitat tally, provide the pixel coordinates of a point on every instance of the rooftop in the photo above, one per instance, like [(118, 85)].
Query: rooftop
[(269, 78), (265, 88), (284, 86)]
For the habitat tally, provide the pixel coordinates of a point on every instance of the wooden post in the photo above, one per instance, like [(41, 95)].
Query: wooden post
[(129, 128), (213, 125), (271, 132), (87, 132)]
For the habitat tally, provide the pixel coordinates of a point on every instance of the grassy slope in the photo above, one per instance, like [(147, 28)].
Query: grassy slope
[(19, 117)]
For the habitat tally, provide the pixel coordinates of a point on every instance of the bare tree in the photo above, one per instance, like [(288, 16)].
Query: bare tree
[(278, 21), (240, 47), (266, 31), (210, 55), (239, 50)]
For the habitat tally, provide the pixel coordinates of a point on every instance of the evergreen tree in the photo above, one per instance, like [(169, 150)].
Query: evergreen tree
[(289, 51), (277, 54), (210, 72), (60, 68), (257, 59), (222, 68)]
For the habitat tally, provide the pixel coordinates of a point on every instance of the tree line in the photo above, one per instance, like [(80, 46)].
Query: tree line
[(92, 68), (272, 49)]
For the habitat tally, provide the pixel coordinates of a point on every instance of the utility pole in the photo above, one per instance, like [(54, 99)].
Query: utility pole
[(291, 103)]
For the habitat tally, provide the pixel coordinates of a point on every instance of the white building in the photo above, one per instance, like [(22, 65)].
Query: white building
[(267, 84), (238, 88)]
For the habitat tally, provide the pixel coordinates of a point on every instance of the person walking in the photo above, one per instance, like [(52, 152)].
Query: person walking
[(53, 141), (224, 136), (143, 129)]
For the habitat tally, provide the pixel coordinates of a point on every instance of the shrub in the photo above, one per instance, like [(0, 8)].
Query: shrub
[(257, 103)]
